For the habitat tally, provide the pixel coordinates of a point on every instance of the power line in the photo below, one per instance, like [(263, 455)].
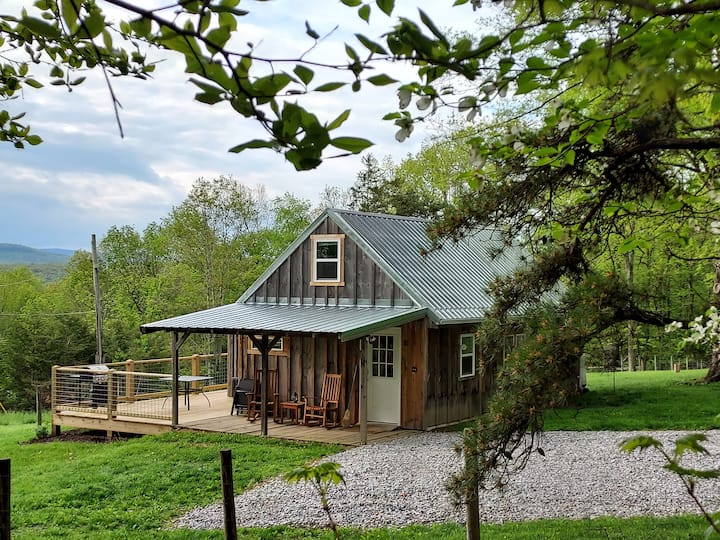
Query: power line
[(16, 283), (46, 314)]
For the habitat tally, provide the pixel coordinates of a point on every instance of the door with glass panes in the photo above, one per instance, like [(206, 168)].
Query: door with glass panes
[(383, 365)]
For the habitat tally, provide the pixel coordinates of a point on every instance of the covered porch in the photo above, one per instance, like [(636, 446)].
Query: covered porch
[(332, 339), (209, 412)]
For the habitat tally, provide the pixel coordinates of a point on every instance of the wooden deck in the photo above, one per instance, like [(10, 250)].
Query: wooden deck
[(215, 417)]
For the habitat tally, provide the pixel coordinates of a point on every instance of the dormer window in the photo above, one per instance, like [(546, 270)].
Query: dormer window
[(327, 259)]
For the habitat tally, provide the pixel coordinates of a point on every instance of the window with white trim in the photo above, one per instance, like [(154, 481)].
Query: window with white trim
[(280, 347), (327, 259), (467, 355)]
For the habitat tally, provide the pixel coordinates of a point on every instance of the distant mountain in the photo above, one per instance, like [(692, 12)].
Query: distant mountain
[(17, 254)]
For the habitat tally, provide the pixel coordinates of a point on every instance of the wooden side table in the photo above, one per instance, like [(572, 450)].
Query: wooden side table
[(295, 410)]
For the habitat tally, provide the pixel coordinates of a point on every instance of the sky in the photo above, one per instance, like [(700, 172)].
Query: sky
[(84, 178)]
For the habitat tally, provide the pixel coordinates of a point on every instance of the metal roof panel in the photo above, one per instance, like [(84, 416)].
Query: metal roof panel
[(349, 322)]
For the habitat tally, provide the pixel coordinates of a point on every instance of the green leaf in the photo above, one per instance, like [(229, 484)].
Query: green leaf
[(251, 145), (92, 26), (690, 442), (142, 26), (40, 28), (381, 80), (33, 83), (329, 87), (597, 135), (641, 442), (70, 11), (715, 102), (427, 21), (352, 3), (570, 157), (310, 32), (351, 144), (33, 140), (364, 12), (370, 45), (351, 53), (386, 6), (303, 73), (339, 120)]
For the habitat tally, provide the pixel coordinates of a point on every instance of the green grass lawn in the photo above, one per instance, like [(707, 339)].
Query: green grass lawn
[(626, 401), (134, 488)]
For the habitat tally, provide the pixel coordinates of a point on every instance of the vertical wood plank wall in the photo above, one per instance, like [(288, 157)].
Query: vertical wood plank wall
[(449, 398), (302, 370), (364, 281), (432, 393)]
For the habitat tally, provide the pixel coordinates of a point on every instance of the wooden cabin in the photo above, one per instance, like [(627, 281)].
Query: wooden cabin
[(357, 294)]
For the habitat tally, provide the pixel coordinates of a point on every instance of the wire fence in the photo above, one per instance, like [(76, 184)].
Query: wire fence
[(134, 388)]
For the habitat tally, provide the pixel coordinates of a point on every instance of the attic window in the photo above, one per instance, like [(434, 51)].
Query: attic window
[(327, 259), (467, 355)]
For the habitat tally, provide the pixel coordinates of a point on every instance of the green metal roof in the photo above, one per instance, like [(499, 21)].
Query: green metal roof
[(452, 281), (349, 322)]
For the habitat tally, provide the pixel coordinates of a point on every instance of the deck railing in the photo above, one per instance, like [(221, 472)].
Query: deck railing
[(133, 388)]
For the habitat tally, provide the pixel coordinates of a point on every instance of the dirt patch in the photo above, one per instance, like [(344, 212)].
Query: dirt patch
[(84, 435)]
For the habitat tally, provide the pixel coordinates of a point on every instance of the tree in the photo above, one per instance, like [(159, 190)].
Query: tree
[(54, 327), (638, 144), (205, 233)]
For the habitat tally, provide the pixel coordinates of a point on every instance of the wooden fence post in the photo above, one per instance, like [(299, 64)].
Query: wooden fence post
[(228, 495), (4, 499), (130, 380)]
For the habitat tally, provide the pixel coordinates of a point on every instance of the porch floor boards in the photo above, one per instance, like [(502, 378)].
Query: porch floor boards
[(216, 417)]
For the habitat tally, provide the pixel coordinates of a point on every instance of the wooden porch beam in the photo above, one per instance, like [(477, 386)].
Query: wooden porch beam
[(363, 392), (264, 344), (177, 342)]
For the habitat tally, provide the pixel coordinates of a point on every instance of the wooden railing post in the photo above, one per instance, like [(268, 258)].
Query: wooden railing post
[(110, 392), (195, 369), (4, 499), (130, 380), (55, 429)]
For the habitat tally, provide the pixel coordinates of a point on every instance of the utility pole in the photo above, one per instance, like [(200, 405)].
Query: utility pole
[(98, 305)]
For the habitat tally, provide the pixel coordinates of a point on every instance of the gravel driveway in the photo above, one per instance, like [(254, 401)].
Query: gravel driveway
[(397, 483)]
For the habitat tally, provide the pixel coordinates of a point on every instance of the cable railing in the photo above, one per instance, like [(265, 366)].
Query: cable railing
[(133, 388)]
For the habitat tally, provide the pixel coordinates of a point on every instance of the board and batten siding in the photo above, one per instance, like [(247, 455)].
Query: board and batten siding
[(364, 282), (303, 364), (450, 399)]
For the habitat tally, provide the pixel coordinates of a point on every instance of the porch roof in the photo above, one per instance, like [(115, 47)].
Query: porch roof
[(349, 322)]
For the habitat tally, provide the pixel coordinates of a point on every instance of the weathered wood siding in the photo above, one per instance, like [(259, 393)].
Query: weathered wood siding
[(449, 398), (414, 373), (303, 365), (364, 282)]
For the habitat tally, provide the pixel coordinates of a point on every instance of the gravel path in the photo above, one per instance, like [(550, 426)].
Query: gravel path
[(397, 483)]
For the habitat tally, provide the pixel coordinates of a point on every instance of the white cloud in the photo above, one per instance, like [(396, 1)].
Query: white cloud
[(86, 175)]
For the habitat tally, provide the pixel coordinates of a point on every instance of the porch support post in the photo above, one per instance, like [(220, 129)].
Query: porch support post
[(177, 342), (363, 392), (264, 344)]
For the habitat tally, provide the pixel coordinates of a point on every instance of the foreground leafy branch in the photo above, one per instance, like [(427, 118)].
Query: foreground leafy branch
[(688, 476)]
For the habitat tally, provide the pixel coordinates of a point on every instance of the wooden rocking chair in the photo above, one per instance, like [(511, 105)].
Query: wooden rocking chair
[(254, 398), (327, 412)]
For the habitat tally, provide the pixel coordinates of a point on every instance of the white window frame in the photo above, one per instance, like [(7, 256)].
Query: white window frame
[(279, 349), (464, 354), (339, 260)]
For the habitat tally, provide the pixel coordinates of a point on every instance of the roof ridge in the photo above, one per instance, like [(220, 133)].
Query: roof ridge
[(378, 214)]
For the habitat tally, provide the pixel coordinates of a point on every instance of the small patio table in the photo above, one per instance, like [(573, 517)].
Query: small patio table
[(187, 380), (294, 410)]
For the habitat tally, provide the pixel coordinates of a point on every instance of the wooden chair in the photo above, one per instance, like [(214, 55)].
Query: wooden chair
[(326, 411), (254, 398)]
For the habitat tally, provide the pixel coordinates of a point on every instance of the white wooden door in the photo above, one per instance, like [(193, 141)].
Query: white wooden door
[(383, 365)]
